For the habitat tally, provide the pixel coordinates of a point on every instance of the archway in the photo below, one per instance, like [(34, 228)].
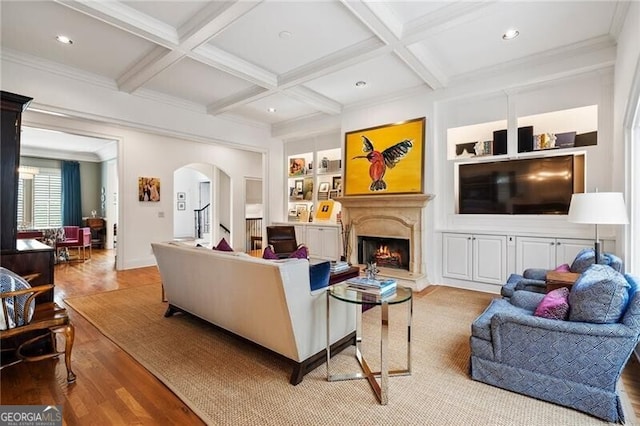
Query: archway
[(202, 210)]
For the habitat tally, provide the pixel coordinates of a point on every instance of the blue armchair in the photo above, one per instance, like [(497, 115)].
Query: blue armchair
[(576, 362), (533, 279)]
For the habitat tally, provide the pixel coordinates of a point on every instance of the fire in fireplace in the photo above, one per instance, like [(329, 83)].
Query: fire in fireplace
[(385, 252)]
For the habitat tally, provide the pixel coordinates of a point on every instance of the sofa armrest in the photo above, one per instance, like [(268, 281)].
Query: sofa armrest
[(537, 286), (526, 299), (539, 274)]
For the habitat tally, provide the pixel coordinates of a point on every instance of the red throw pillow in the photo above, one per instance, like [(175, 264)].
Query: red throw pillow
[(554, 305), (223, 246), (269, 253)]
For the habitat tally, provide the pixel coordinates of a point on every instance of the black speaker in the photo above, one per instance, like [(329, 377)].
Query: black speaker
[(525, 139), (500, 142)]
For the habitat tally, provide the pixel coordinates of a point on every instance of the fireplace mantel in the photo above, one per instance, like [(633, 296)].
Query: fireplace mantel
[(402, 200), (396, 216)]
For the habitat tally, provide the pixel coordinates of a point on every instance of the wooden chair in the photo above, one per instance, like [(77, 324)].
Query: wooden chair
[(48, 319)]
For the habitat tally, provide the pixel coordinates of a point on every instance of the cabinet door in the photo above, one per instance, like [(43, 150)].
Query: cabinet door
[(490, 258), (567, 249), (323, 242), (457, 256), (535, 252)]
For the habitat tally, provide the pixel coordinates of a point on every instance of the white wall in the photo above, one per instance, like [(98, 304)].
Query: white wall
[(626, 147)]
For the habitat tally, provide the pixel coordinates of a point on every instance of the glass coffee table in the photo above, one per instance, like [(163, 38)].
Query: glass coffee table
[(346, 294)]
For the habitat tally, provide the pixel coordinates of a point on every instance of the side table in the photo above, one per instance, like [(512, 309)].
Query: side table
[(345, 294), (555, 280)]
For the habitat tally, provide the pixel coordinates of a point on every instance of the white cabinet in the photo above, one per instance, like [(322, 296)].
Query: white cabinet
[(475, 257), (323, 241), (548, 253)]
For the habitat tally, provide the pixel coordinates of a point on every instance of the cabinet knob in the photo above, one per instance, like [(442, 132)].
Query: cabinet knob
[(552, 243), (558, 243)]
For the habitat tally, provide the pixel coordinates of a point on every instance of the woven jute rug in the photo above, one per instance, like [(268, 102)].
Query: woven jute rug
[(227, 381)]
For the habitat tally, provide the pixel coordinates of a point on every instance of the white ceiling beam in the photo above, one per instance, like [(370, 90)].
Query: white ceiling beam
[(352, 55), (380, 20), (231, 64), (450, 16), (315, 99), (127, 18), (424, 66), (244, 97)]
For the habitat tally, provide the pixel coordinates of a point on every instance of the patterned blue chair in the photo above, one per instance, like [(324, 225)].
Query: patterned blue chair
[(575, 362), (533, 279)]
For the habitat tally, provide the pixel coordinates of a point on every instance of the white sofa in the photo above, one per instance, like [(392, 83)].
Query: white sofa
[(265, 301)]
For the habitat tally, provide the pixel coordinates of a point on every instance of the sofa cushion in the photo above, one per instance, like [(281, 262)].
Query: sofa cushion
[(554, 305), (223, 246), (599, 296), (563, 268), (268, 253)]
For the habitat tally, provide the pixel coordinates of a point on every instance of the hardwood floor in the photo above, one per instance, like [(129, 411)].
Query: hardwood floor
[(111, 387)]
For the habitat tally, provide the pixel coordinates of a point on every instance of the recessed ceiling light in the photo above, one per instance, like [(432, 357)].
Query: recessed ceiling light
[(361, 83), (510, 34), (271, 109), (64, 39), (284, 34)]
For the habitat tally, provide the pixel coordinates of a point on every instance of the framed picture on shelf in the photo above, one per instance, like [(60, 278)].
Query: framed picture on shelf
[(307, 189), (182, 196), (296, 166), (333, 194), (337, 183), (324, 210), (387, 159), (323, 187), (323, 195), (297, 189)]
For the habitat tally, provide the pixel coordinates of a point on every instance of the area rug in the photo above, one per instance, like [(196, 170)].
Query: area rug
[(227, 381)]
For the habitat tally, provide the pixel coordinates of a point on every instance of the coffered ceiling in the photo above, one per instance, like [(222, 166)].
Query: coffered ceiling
[(300, 59)]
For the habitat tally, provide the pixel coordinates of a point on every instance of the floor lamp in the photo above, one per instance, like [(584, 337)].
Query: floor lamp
[(598, 208)]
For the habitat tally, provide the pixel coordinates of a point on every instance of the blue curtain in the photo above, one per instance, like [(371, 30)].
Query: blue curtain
[(71, 196)]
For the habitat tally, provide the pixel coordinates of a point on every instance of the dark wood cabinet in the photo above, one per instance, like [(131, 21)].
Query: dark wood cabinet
[(31, 257), (24, 256), (11, 106), (98, 231)]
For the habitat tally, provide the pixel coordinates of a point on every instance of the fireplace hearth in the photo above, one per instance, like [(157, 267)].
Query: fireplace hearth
[(385, 252)]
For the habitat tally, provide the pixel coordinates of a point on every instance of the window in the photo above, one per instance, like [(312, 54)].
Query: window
[(40, 200)]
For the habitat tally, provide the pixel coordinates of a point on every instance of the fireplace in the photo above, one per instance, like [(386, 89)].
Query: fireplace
[(385, 252), (390, 219)]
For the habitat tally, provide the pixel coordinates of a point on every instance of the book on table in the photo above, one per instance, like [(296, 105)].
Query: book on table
[(368, 285), (339, 266)]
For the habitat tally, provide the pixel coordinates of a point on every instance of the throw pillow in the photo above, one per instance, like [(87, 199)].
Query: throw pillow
[(319, 275), (223, 246), (563, 268), (554, 305), (599, 296), (269, 254), (585, 258), (300, 253)]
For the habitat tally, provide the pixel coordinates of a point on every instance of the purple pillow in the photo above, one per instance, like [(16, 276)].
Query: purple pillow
[(269, 253), (554, 305), (563, 268), (223, 246), (300, 253)]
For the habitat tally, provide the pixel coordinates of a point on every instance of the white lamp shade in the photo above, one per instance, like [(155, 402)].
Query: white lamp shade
[(598, 208)]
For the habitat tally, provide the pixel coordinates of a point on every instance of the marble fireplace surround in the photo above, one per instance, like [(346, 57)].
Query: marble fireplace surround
[(394, 216)]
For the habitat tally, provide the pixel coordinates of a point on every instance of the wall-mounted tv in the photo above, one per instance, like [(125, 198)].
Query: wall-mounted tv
[(526, 186)]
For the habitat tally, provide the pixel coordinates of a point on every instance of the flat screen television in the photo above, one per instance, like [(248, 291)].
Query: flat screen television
[(527, 186)]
